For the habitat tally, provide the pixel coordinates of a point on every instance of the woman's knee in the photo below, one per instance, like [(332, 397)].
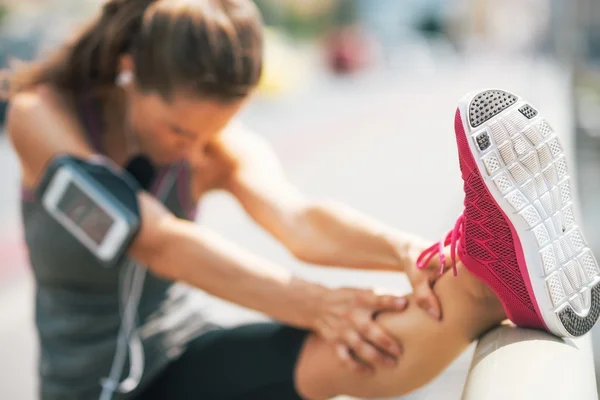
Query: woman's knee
[(429, 345), (313, 367), (321, 375)]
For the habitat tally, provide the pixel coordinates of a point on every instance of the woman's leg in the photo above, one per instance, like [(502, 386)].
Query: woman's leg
[(469, 309), (271, 361), (250, 362)]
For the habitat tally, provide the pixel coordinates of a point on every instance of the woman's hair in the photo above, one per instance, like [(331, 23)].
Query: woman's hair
[(209, 48)]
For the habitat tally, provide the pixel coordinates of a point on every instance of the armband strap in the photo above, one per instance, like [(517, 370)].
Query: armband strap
[(105, 184)]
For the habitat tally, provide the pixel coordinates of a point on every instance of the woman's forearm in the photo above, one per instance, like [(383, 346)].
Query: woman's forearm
[(332, 234), (205, 260)]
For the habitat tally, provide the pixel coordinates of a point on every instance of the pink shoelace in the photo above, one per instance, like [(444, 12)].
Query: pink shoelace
[(451, 239)]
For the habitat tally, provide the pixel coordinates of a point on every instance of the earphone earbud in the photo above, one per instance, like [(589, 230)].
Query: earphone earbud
[(124, 78)]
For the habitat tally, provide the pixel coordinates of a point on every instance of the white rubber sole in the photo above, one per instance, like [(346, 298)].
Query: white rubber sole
[(524, 167)]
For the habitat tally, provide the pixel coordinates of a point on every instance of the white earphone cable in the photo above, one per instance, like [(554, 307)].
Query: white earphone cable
[(129, 338)]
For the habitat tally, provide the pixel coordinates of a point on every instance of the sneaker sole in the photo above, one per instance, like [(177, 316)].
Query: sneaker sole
[(524, 168)]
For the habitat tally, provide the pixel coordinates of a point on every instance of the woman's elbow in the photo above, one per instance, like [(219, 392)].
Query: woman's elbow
[(303, 252), (305, 237), (310, 254), (300, 241)]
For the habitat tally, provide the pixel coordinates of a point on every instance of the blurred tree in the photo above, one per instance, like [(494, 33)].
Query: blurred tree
[(309, 19), (271, 11), (3, 104), (300, 19), (3, 13), (346, 13)]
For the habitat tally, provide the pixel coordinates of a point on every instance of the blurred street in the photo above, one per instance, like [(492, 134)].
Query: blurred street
[(381, 142)]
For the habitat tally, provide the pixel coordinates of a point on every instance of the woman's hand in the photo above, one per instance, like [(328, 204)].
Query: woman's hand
[(346, 320), (422, 281)]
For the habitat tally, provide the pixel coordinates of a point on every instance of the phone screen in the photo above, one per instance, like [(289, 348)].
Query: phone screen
[(85, 213)]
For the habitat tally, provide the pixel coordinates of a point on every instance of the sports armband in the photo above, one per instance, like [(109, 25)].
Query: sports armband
[(95, 202)]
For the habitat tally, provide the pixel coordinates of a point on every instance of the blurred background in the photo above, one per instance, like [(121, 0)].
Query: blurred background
[(358, 98)]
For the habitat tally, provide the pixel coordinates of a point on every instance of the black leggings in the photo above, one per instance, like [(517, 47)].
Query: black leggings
[(250, 362)]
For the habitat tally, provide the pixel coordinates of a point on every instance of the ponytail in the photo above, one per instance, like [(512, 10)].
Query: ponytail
[(89, 62)]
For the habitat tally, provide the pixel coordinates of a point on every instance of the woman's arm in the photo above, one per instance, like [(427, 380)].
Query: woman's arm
[(470, 309), (40, 129), (319, 232)]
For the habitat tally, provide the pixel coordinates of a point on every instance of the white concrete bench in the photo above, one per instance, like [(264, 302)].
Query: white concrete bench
[(520, 364)]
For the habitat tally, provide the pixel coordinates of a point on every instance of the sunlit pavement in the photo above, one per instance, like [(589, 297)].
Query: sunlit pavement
[(382, 143)]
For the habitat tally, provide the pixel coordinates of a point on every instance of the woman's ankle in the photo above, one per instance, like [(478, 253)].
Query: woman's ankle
[(482, 295)]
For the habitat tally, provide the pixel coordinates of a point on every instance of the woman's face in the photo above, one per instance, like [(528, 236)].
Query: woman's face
[(171, 131)]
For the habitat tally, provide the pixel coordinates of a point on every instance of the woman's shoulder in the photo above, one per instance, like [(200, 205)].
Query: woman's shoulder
[(241, 142), (40, 124), (222, 156), (35, 106)]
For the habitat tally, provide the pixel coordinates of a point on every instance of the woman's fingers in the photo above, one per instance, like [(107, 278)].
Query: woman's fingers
[(345, 355)]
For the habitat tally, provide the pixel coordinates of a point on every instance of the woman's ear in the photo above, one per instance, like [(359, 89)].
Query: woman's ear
[(126, 63)]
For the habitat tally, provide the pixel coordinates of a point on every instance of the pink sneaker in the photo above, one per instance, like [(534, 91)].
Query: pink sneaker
[(519, 231)]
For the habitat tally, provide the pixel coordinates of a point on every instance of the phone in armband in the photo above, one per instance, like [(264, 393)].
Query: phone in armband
[(95, 202)]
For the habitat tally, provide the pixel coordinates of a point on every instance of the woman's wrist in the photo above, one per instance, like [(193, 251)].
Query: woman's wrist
[(407, 249), (310, 303)]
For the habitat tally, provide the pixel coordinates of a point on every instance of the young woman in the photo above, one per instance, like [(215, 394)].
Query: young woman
[(151, 86)]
